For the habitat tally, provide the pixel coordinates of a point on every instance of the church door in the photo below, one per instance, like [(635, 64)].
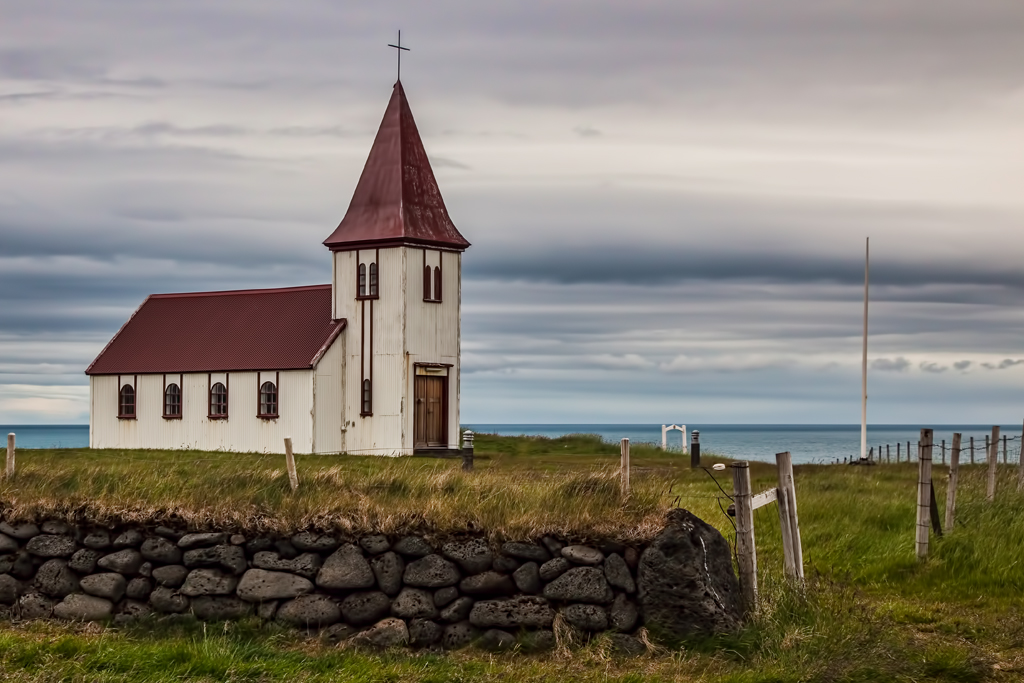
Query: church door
[(431, 428)]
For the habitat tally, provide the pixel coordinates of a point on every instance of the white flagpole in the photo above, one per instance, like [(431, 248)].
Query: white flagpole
[(864, 359)]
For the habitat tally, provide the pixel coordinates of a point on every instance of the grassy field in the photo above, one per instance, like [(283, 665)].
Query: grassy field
[(870, 612)]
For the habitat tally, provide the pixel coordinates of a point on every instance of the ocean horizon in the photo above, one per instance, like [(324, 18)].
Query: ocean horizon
[(808, 443)]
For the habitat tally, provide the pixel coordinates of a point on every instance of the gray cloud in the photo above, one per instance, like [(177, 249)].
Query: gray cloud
[(890, 364)]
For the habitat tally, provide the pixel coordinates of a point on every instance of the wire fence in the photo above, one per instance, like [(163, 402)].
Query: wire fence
[(974, 450)]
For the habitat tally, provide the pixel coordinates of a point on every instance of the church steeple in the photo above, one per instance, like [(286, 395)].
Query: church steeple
[(396, 201)]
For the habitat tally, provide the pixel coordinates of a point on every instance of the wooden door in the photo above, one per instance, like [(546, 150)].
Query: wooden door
[(431, 421)]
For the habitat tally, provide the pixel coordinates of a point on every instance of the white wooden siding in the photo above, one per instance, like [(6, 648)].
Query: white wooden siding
[(329, 429)]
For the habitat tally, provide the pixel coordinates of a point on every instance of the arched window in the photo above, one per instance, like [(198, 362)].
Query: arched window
[(126, 401), (218, 400), (367, 398), (268, 400), (362, 279), (437, 283), (373, 279), (426, 283), (172, 401)]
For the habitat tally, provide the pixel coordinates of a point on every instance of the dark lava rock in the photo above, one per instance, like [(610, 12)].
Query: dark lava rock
[(127, 561), (505, 564), (168, 600), (47, 545), (586, 617), (552, 569), (367, 607), (412, 546), (581, 554), (527, 578), (495, 640), (10, 589), (685, 580), (35, 606), (260, 585), (161, 550), (258, 545), (266, 610), (473, 556), (518, 612), (526, 551), (309, 611), (56, 526), (432, 571), (81, 607), (488, 583), (220, 608), (55, 579), (388, 568), (625, 645), (457, 611), (8, 544), (553, 545), (108, 585), (309, 542), (139, 588), (285, 549), (386, 633), (617, 572), (169, 533), (131, 611), (23, 568), (424, 633), (336, 633), (172, 576), (443, 596), (205, 582), (414, 603), (581, 584), (375, 545), (128, 539), (458, 636), (189, 541), (227, 557), (537, 641), (22, 531), (97, 540), (306, 565), (623, 614), (346, 569), (84, 561)]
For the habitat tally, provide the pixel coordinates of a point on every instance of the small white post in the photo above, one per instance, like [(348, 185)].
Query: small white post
[(289, 459), (624, 468), (10, 455), (664, 438)]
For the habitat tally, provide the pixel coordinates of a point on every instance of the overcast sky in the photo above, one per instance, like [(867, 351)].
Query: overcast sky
[(667, 200)]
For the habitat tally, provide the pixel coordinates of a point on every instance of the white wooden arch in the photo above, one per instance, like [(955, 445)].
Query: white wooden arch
[(665, 429)]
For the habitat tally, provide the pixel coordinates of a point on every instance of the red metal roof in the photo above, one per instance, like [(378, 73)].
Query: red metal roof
[(253, 329), (397, 200)]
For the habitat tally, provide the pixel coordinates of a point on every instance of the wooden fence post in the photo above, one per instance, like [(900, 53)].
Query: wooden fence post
[(788, 520), (888, 455), (993, 462), (897, 452), (924, 492), (289, 461), (954, 473), (909, 457), (1004, 449), (746, 554), (943, 451), (972, 450), (10, 455), (1020, 463), (624, 468)]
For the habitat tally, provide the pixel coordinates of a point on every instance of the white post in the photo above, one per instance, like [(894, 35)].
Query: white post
[(686, 444), (10, 455), (289, 459), (624, 468), (864, 360), (664, 438), (792, 549), (746, 554)]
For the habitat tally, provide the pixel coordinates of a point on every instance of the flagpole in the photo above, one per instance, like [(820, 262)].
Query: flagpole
[(864, 358)]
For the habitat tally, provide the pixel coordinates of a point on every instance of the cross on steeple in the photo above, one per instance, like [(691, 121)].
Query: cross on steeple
[(398, 49)]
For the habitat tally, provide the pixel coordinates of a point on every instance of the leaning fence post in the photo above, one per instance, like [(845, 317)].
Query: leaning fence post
[(746, 554), (289, 461), (924, 492), (788, 520), (10, 454), (624, 468), (467, 451), (993, 461), (954, 474)]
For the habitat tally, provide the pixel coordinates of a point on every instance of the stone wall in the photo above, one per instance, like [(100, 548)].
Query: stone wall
[(376, 590)]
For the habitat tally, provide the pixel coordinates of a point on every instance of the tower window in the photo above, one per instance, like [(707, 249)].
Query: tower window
[(268, 400), (367, 408), (126, 402), (218, 400), (362, 279), (373, 279), (426, 284), (172, 401), (437, 283)]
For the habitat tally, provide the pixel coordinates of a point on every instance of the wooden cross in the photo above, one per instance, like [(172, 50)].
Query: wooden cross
[(399, 49)]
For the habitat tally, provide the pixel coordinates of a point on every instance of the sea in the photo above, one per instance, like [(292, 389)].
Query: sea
[(808, 443)]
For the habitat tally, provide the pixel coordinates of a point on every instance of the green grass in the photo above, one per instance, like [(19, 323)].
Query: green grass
[(870, 612)]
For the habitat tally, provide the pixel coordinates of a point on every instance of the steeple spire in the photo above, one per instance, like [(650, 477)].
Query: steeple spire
[(396, 200)]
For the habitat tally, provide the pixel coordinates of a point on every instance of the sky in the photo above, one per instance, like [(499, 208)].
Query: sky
[(668, 201)]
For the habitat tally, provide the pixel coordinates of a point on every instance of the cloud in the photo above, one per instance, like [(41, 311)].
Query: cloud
[(934, 368), (1003, 364), (962, 365), (890, 364)]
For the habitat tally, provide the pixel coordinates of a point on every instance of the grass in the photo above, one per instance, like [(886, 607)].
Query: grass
[(870, 612)]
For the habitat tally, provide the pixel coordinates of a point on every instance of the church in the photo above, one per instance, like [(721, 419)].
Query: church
[(368, 364)]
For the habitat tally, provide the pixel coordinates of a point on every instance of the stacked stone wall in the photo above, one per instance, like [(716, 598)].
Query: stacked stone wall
[(377, 590)]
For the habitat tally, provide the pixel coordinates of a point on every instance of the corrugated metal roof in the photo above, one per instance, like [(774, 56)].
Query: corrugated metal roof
[(397, 200), (254, 329)]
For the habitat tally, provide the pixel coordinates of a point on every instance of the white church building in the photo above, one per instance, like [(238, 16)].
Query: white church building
[(368, 364)]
